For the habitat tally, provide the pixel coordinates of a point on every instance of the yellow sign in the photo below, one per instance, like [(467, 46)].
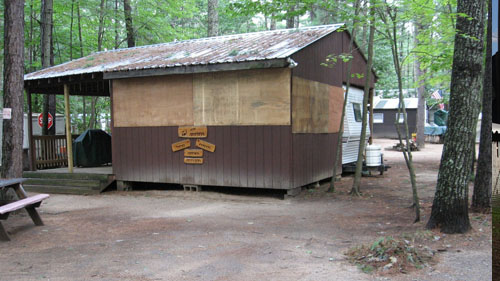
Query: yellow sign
[(205, 145), (193, 153), (192, 132), (193, 161), (181, 145)]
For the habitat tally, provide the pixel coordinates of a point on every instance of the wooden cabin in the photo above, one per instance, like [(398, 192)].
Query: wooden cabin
[(255, 110), (385, 114)]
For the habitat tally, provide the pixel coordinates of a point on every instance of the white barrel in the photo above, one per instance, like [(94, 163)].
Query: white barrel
[(373, 153)]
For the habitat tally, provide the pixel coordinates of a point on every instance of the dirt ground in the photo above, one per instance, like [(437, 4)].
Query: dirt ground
[(178, 235)]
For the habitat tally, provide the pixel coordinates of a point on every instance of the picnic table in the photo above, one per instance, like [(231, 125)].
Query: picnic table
[(24, 201)]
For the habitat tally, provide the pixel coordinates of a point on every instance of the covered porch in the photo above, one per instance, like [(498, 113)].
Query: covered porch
[(51, 168)]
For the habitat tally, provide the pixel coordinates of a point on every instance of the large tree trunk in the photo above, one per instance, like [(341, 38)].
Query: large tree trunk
[(368, 76), (30, 50), (127, 9), (450, 206), (13, 97), (49, 101), (213, 18), (481, 198), (420, 93)]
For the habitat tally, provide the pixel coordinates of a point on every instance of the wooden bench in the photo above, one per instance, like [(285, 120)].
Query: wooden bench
[(28, 203)]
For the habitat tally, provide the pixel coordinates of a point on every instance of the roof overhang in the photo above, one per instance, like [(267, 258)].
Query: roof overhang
[(189, 69)]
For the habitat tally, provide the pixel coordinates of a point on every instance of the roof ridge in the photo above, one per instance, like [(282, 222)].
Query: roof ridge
[(313, 27)]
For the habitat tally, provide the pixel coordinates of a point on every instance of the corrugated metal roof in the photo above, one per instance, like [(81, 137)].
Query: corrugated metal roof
[(410, 103), (247, 47)]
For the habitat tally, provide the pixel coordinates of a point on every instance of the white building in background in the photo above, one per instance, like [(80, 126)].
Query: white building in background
[(37, 130)]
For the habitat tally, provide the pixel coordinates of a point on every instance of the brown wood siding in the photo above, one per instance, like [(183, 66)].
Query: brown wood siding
[(310, 58), (245, 156), (313, 157)]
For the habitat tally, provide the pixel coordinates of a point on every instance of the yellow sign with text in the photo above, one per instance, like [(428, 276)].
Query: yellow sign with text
[(193, 153), (197, 161), (205, 145), (192, 132), (181, 145)]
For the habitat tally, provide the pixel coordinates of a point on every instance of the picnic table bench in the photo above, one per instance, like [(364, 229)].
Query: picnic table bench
[(24, 201)]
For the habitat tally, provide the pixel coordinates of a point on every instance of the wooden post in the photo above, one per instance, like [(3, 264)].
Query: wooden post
[(69, 139), (31, 145), (370, 96)]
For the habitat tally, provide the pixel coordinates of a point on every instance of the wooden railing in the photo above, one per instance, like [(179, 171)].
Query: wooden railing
[(50, 151)]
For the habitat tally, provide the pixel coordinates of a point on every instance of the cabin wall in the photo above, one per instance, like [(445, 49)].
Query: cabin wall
[(153, 101), (387, 129), (245, 156), (248, 97)]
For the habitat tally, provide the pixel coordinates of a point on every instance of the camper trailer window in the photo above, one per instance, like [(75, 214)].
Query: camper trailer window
[(357, 111), (378, 118)]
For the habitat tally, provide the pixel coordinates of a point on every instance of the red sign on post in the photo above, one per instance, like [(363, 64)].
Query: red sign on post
[(50, 120)]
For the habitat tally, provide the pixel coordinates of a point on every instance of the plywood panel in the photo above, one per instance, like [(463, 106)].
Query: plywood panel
[(215, 98), (335, 109), (264, 97), (247, 97), (153, 101), (315, 106)]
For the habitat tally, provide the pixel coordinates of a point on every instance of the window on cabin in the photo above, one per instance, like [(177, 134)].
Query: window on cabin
[(357, 111), (378, 117), (401, 117)]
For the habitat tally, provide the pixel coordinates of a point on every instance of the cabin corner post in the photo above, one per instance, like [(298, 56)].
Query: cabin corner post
[(31, 145), (69, 144)]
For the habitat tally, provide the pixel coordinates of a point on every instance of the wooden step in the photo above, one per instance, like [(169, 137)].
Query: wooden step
[(74, 176), (94, 184), (77, 190)]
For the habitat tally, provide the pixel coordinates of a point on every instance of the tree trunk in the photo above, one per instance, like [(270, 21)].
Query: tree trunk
[(481, 197), (100, 33), (368, 74), (79, 27), (71, 31), (348, 85), (127, 9), (290, 18), (92, 122), (117, 38), (213, 18), (13, 97), (272, 26), (47, 60), (420, 93), (30, 51), (450, 206)]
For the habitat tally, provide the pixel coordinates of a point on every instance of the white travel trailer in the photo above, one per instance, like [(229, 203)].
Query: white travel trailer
[(352, 126)]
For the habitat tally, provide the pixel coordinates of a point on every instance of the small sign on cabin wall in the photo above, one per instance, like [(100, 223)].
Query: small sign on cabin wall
[(181, 145), (193, 156), (205, 145), (192, 132), (193, 153), (198, 161)]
